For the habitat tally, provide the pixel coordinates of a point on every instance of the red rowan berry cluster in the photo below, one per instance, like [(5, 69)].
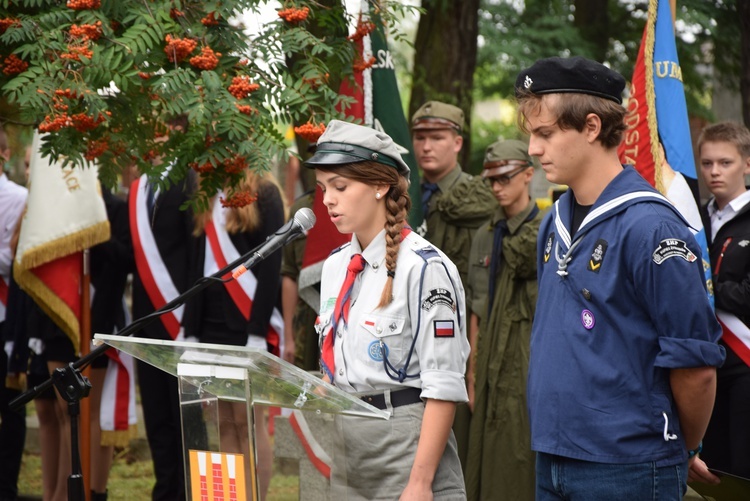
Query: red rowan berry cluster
[(316, 82), (144, 75), (201, 168), (178, 49), (95, 148), (87, 31), (293, 15), (84, 4), (235, 165), (241, 87), (211, 19), (14, 65), (54, 123), (310, 132), (361, 65), (7, 22), (70, 94), (238, 199), (245, 109), (207, 60), (84, 123), (363, 29), (174, 13), (77, 52)]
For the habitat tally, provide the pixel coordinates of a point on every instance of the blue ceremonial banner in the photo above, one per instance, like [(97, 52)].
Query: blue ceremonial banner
[(657, 140)]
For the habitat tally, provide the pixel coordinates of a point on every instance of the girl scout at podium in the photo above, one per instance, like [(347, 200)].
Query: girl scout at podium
[(392, 326)]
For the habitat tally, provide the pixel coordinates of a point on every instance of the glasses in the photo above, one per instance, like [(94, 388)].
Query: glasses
[(505, 179)]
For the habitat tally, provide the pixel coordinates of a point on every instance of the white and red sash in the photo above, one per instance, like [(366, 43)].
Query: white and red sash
[(3, 297), (735, 334), (219, 252), (149, 262)]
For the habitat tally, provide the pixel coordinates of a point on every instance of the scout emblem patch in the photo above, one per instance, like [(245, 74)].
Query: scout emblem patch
[(444, 328), (376, 349), (438, 296), (597, 257), (587, 319), (672, 247), (548, 246)]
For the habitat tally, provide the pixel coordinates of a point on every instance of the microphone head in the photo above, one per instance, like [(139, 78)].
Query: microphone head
[(304, 218)]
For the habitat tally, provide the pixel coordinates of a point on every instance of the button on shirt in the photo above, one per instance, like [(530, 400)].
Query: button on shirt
[(721, 217), (439, 358)]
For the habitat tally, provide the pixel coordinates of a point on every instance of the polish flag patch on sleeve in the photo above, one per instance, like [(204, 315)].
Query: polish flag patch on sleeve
[(444, 328)]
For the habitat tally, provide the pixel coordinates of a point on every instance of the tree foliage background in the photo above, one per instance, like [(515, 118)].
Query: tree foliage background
[(104, 78)]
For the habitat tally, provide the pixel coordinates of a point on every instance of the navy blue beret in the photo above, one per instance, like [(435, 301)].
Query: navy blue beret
[(571, 75)]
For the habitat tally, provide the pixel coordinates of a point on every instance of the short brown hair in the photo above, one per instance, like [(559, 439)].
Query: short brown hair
[(571, 111), (727, 132)]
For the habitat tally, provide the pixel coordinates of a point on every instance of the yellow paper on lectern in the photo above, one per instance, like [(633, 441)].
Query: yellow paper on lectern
[(217, 476)]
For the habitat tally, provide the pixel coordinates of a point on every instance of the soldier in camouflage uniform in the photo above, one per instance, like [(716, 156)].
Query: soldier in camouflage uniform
[(502, 287), (454, 203)]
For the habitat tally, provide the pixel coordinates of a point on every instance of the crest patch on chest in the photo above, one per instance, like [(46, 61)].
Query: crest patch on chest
[(597, 256)]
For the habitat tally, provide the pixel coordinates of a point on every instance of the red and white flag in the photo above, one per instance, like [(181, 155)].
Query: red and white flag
[(65, 214)]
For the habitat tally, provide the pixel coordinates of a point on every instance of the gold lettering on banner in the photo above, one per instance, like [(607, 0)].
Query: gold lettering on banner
[(671, 69), (632, 119), (71, 181)]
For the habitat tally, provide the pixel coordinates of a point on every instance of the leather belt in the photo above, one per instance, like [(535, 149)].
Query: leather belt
[(406, 396)]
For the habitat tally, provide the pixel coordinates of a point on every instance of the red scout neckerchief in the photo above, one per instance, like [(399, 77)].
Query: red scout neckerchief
[(219, 252), (3, 297), (341, 308), (151, 268)]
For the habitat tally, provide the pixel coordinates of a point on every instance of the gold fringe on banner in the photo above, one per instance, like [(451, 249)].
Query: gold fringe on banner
[(66, 245), (119, 438), (653, 128)]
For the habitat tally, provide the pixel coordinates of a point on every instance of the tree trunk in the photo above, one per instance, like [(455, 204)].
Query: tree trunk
[(445, 58), (592, 21), (743, 11)]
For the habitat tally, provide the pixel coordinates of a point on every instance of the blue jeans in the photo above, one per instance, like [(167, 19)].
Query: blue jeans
[(560, 478)]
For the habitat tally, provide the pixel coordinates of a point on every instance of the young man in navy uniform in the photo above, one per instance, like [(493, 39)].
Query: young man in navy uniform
[(622, 372)]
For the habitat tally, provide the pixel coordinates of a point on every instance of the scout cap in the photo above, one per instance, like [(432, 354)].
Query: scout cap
[(576, 75), (437, 115), (346, 143), (504, 156)]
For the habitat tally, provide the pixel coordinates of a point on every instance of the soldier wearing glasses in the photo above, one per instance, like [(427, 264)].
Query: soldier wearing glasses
[(502, 291)]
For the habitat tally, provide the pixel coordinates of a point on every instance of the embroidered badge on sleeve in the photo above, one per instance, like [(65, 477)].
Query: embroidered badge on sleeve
[(439, 296), (672, 247), (444, 328)]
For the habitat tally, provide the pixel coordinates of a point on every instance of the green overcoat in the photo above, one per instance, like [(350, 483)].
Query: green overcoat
[(500, 461)]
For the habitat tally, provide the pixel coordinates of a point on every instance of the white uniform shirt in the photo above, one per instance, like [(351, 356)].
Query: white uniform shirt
[(721, 217), (12, 200), (433, 304)]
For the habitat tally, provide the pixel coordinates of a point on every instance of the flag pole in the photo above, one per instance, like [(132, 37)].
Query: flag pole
[(85, 418)]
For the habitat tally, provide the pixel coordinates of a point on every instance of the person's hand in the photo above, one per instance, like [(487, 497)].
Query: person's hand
[(289, 351), (416, 492), (470, 390), (698, 472)]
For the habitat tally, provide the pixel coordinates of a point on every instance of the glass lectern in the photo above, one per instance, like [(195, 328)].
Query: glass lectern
[(227, 454)]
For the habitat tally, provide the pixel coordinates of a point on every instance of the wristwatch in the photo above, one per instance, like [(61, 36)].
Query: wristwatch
[(694, 452)]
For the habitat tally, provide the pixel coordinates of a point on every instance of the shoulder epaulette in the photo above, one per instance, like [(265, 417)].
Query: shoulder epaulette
[(427, 253), (337, 249)]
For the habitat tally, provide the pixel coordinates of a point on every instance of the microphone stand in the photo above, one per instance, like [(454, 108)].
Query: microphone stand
[(74, 386)]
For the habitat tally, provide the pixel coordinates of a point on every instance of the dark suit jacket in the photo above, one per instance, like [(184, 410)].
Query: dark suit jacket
[(172, 229), (214, 302)]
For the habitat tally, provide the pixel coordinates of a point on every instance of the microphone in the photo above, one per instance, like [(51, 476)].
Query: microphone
[(303, 220)]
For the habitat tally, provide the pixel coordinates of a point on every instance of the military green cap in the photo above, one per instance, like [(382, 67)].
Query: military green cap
[(437, 115), (504, 156), (346, 143)]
